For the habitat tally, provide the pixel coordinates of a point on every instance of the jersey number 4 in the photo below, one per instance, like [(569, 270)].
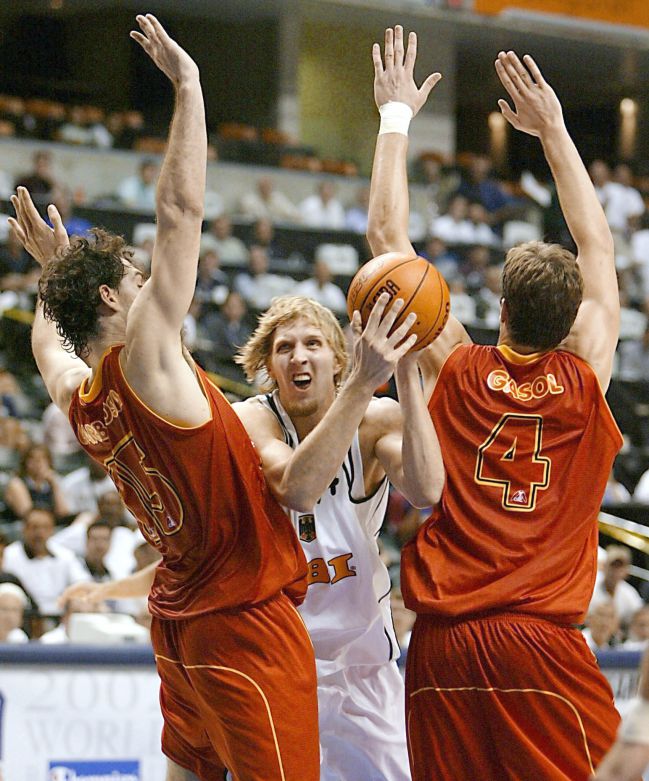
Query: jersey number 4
[(510, 460)]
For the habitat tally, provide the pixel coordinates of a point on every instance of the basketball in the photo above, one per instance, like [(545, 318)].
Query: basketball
[(411, 278)]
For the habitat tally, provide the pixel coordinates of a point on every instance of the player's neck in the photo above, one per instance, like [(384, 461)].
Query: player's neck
[(521, 349)]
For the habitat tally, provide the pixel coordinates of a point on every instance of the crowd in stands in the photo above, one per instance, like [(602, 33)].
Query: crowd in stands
[(60, 518)]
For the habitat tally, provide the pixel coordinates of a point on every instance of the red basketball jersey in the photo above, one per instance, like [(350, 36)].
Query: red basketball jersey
[(199, 496), (528, 443)]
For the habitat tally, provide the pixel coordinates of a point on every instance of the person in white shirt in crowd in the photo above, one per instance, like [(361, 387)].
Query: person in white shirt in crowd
[(59, 634), (623, 175), (138, 191), (611, 585), (44, 568), (231, 250), (323, 209), (438, 254), (58, 437), (489, 297), (615, 492), (83, 487), (638, 635), (602, 626), (454, 226), (13, 603), (268, 202), (634, 360), (462, 304), (257, 286), (320, 288), (482, 232), (98, 539), (356, 215), (124, 538), (641, 493), (622, 203), (212, 283)]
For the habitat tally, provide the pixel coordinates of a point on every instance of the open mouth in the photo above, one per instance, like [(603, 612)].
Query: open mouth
[(302, 381)]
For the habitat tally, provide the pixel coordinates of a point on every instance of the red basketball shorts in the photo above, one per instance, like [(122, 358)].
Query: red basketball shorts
[(505, 698), (238, 691)]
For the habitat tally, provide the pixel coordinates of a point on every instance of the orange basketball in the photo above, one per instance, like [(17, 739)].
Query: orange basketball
[(411, 278)]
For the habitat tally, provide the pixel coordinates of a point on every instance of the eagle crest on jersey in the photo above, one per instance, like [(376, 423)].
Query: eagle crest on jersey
[(307, 527)]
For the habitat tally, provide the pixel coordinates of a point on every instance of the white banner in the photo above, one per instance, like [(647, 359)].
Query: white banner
[(97, 723)]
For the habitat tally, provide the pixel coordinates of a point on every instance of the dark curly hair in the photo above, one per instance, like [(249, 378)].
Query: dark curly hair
[(69, 285)]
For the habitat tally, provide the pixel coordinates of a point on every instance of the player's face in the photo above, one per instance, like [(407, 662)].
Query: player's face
[(303, 365), (131, 284)]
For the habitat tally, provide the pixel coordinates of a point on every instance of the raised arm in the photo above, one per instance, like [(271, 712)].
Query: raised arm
[(298, 477), (155, 322), (62, 371), (407, 446), (537, 111), (398, 99)]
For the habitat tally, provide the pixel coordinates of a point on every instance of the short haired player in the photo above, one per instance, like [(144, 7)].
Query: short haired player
[(499, 681), (328, 448), (235, 661)]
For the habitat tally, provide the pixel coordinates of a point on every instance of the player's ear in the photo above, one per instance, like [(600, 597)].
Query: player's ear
[(108, 296), (504, 314)]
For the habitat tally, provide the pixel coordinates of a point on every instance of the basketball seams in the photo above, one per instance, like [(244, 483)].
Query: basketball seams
[(380, 280), (441, 305), (427, 289), (404, 311)]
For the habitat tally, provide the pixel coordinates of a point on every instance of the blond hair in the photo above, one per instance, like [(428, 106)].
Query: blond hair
[(542, 287), (255, 355)]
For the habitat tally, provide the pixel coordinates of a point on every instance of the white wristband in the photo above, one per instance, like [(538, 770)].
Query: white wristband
[(395, 117), (635, 725)]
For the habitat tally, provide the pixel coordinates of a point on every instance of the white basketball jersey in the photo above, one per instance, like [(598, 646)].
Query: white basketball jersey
[(347, 607)]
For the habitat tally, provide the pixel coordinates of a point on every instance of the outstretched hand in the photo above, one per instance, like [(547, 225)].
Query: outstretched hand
[(536, 106), (378, 349), (394, 80), (89, 592), (39, 239), (172, 60)]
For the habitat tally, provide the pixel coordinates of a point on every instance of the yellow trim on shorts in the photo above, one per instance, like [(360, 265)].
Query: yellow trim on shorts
[(507, 691), (253, 682)]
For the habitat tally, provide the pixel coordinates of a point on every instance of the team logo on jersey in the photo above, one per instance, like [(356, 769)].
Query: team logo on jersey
[(307, 528), (519, 497)]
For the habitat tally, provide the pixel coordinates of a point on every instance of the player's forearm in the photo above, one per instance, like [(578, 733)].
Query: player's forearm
[(422, 465), (387, 227), (181, 185), (132, 586), (317, 459), (581, 208)]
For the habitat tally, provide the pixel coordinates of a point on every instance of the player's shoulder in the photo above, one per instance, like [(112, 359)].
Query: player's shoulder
[(257, 418)]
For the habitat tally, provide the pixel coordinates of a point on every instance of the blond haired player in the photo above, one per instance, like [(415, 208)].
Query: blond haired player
[(500, 683), (328, 449)]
